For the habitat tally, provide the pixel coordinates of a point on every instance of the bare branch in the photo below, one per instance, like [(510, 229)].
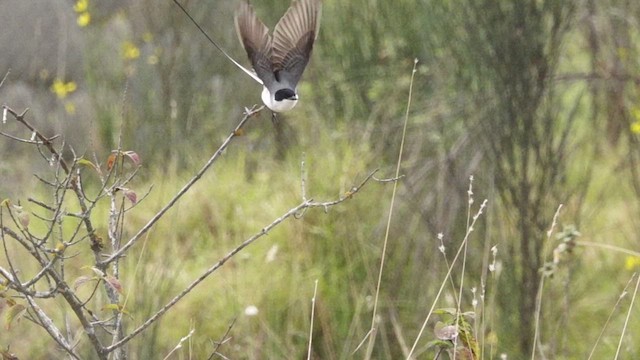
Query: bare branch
[(182, 191), (179, 346), (51, 208), (303, 180), (41, 273), (47, 142), (53, 331), (26, 141), (69, 295), (222, 341), (393, 179), (313, 311), (291, 213), (5, 77)]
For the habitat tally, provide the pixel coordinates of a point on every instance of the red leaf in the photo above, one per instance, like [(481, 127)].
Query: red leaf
[(115, 283), (133, 156), (131, 195), (111, 160)]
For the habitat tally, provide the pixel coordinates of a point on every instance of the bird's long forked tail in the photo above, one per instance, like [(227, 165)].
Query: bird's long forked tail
[(247, 71)]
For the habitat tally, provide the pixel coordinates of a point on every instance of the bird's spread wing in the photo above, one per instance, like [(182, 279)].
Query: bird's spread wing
[(254, 36), (293, 39)]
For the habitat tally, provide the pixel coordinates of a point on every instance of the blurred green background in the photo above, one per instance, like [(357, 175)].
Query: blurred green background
[(538, 100)]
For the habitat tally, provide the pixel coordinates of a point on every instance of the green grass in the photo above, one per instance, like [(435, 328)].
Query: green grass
[(348, 123), (341, 249)]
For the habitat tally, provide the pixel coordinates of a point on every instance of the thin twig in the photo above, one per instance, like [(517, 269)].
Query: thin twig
[(393, 179), (47, 142), (223, 340), (53, 331), (464, 267), (291, 213), (608, 247), (58, 278), (26, 141), (5, 77), (182, 191), (179, 346), (52, 209), (313, 312), (606, 323), (626, 320), (41, 273), (541, 288), (397, 330), (393, 199), (442, 285), (303, 180), (63, 288)]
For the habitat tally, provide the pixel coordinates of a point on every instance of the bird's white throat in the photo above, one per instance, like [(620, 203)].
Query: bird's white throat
[(276, 106)]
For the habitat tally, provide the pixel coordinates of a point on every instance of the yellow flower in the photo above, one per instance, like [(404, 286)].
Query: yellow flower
[(84, 19), (632, 262), (71, 86), (635, 126), (130, 51), (62, 89), (59, 89), (81, 6)]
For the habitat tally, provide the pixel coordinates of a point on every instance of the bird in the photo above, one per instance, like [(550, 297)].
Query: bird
[(279, 60)]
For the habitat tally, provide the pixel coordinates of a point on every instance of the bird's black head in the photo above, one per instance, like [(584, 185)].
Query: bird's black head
[(285, 94)]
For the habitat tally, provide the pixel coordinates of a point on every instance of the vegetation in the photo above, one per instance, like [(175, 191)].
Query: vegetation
[(531, 105)]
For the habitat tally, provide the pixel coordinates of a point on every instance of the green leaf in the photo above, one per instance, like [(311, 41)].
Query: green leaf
[(14, 313), (85, 162), (439, 344), (445, 311), (117, 307)]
